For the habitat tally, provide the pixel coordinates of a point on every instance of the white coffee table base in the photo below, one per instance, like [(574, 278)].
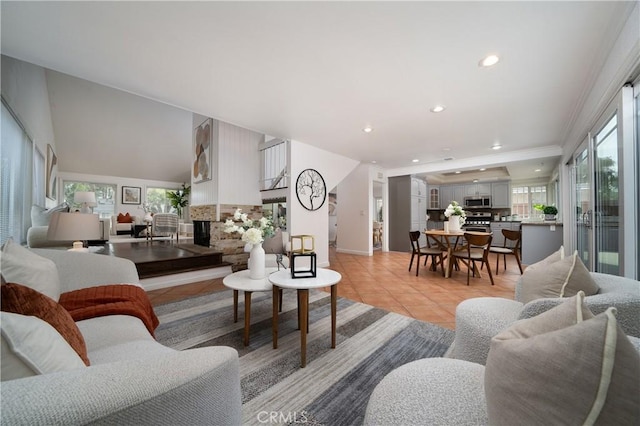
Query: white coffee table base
[(324, 278)]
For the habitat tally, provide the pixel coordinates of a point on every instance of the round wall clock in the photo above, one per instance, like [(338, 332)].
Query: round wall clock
[(311, 189)]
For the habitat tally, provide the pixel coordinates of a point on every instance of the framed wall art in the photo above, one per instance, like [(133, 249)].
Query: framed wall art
[(311, 189), (51, 174), (202, 137), (131, 195)]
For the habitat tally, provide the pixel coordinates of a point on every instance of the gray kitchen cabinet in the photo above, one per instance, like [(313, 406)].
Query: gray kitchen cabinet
[(496, 229), (449, 193), (540, 240), (477, 189), (501, 195)]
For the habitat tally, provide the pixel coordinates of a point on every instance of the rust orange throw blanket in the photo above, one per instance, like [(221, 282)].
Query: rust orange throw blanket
[(113, 299)]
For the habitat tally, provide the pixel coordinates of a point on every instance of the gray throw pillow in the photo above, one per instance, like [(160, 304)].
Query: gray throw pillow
[(41, 216), (563, 278), (564, 366)]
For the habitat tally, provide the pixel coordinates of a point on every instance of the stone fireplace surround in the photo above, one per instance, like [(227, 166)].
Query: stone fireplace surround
[(231, 246)]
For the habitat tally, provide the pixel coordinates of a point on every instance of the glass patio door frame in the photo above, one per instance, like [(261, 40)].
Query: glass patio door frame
[(623, 107), (582, 216)]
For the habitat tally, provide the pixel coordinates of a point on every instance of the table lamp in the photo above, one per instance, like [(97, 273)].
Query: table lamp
[(87, 199), (76, 227)]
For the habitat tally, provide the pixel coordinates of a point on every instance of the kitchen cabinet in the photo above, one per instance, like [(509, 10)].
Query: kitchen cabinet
[(501, 195), (434, 197), (496, 229), (418, 187), (449, 193), (407, 211), (477, 190), (540, 240)]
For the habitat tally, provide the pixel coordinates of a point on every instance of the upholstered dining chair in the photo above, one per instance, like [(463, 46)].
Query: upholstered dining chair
[(512, 241), (428, 251), (475, 249)]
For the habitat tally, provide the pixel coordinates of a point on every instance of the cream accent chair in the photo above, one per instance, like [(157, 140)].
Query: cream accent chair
[(118, 228)]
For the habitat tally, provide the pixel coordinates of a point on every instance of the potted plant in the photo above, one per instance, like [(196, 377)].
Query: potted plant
[(550, 212), (179, 198)]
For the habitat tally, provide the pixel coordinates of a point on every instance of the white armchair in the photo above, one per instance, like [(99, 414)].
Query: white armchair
[(124, 228)]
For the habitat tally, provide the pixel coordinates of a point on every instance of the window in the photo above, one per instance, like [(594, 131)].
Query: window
[(524, 197), (16, 168), (105, 196), (157, 200)]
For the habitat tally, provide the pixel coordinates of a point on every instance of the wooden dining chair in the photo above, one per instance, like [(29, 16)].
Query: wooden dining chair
[(512, 241), (416, 250), (475, 249)]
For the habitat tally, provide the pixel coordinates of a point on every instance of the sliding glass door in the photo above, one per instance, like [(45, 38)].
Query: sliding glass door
[(583, 209), (607, 199), (605, 191)]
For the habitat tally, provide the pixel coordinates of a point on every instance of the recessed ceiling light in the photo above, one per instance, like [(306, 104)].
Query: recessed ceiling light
[(415, 160), (483, 169), (438, 108), (489, 61), (496, 146), (537, 170), (368, 129), (475, 181), (458, 172), (373, 161)]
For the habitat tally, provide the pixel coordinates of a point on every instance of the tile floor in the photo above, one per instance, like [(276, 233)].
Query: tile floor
[(383, 280)]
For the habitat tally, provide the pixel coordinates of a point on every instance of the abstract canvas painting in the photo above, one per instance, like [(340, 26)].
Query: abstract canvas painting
[(51, 180), (202, 136)]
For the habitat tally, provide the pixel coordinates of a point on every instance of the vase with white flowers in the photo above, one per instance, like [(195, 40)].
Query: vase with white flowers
[(457, 216), (252, 232)]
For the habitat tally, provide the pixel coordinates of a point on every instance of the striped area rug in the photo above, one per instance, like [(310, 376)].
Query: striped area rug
[(335, 386)]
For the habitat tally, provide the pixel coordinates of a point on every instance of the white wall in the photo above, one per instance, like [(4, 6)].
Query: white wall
[(355, 198), (333, 168), (24, 86), (236, 167), (239, 165)]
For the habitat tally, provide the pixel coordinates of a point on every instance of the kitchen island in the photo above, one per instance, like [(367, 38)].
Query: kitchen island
[(539, 240)]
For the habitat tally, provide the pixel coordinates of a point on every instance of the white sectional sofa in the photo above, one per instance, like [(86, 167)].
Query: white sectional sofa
[(132, 378)]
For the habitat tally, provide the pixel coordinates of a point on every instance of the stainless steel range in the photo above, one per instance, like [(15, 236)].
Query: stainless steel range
[(478, 221)]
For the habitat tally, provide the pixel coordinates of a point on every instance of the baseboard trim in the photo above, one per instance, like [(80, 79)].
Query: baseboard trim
[(356, 252), (165, 281)]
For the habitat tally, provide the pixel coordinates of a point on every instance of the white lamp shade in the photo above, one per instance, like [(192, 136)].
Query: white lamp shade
[(73, 227), (82, 197)]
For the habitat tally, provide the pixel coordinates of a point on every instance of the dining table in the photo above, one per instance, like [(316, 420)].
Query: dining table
[(449, 240)]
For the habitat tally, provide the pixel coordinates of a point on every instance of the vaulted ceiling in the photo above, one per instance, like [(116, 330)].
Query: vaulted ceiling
[(319, 72)]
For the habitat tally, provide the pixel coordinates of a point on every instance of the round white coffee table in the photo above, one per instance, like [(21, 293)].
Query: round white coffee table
[(240, 281), (323, 278)]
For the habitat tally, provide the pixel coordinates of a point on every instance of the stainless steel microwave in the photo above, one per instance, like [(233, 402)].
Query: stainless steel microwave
[(477, 202)]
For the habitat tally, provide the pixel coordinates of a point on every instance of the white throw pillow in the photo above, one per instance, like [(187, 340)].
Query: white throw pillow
[(22, 266), (30, 346)]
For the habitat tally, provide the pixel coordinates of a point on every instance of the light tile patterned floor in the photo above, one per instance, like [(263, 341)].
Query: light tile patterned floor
[(383, 280)]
